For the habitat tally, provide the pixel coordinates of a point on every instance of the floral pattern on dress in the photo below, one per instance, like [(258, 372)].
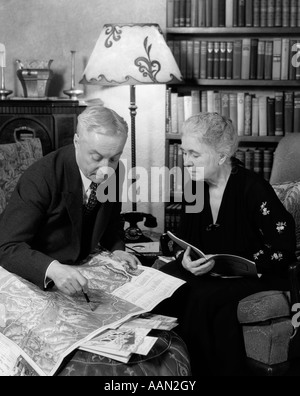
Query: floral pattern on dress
[(264, 210), (277, 256), (258, 254), (281, 227)]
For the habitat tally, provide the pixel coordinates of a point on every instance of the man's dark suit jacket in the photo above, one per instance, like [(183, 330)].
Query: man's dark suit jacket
[(43, 219)]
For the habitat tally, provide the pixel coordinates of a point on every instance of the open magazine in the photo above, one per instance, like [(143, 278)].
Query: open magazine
[(226, 265), (40, 329)]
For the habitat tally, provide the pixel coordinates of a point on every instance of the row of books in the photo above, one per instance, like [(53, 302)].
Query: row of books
[(173, 217), (233, 13), (244, 59), (266, 114), (259, 160)]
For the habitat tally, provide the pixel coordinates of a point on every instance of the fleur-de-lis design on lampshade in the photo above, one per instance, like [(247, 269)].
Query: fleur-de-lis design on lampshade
[(131, 54)]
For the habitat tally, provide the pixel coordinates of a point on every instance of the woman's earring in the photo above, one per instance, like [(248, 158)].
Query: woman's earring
[(222, 160)]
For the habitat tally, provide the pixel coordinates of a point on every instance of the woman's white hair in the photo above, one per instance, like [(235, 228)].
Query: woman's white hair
[(100, 119), (215, 131)]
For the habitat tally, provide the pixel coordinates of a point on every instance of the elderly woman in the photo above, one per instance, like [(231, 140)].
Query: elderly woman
[(243, 216)]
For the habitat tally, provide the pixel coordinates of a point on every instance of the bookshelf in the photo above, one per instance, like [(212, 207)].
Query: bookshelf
[(240, 58)]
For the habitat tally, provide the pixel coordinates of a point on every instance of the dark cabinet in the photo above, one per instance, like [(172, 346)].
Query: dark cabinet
[(52, 121)]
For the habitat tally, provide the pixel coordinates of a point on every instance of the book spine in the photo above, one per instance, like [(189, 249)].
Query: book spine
[(188, 13), (241, 13), (176, 13), (249, 13), (215, 13), (288, 112), (241, 113), (190, 60), (263, 130), (261, 59), (201, 13), (196, 105), (222, 13), (182, 14), (285, 56), (248, 115), (278, 13), (170, 13), (298, 14), (258, 161), (194, 13), (229, 60), (208, 13), (225, 110), (210, 101), (229, 13), (168, 111), (271, 13), (293, 13), (203, 59), (223, 50), (293, 52), (216, 61), (235, 13), (276, 72), (183, 58), (271, 116), (285, 13), (255, 116), (196, 60), (187, 103), (268, 163), (296, 112), (249, 159), (279, 127), (237, 59), (233, 111), (268, 60), (263, 13), (256, 13), (174, 113), (204, 102), (253, 59), (217, 104), (246, 50), (210, 59), (180, 113)]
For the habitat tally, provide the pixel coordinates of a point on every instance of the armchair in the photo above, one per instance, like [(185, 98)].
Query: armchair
[(271, 341)]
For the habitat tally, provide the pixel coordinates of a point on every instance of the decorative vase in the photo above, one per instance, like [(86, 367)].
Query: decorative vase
[(35, 77)]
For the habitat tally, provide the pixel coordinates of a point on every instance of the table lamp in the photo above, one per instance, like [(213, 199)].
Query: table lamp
[(131, 54)]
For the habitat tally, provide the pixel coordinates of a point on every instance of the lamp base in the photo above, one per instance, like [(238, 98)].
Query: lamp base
[(73, 93), (4, 93)]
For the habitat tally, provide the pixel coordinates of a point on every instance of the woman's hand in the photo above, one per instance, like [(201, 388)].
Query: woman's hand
[(197, 268)]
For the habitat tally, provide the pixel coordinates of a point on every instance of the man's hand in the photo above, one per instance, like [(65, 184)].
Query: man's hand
[(67, 279), (132, 261), (198, 267)]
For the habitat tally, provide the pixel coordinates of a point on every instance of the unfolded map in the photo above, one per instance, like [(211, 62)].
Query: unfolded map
[(46, 326)]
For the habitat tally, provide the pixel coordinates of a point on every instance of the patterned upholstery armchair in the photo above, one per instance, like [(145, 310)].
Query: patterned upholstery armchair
[(15, 158), (271, 341), (168, 357)]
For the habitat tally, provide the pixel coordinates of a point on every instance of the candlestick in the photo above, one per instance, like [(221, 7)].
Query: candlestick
[(73, 93)]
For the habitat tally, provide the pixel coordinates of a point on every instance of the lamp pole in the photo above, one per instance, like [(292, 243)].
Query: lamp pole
[(133, 113)]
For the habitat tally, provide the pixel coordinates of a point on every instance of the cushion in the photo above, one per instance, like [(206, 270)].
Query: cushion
[(168, 357), (15, 158), (264, 306), (289, 194)]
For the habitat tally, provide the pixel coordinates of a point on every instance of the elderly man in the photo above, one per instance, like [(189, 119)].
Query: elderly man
[(54, 219)]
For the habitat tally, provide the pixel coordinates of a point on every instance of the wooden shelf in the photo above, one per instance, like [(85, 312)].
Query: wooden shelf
[(232, 84), (244, 139), (274, 31)]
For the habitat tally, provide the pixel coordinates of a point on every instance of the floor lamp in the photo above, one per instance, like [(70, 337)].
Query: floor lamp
[(132, 54)]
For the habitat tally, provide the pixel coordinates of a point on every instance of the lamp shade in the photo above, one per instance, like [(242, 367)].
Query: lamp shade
[(131, 54)]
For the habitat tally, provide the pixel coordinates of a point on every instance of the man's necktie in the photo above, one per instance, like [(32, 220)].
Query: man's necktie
[(92, 201)]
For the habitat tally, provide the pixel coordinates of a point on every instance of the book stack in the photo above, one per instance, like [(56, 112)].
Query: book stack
[(173, 217), (259, 160), (263, 114), (233, 13), (240, 59)]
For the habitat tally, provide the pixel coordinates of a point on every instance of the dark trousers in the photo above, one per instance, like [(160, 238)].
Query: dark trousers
[(207, 312)]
